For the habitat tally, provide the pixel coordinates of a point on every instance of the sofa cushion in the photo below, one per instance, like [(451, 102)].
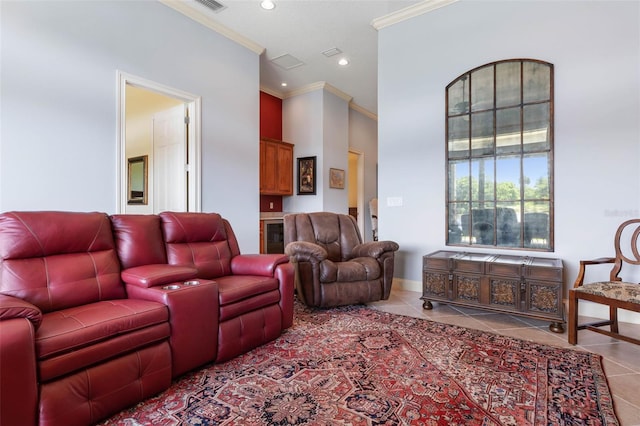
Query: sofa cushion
[(198, 239), (138, 239), (57, 260), (71, 329), (234, 288), (358, 269)]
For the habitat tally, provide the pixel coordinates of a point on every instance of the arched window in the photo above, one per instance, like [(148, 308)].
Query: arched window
[(500, 156)]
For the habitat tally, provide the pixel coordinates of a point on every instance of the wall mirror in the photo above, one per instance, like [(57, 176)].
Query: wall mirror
[(137, 180), (499, 145)]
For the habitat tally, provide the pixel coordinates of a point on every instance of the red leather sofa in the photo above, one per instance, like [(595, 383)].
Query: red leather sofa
[(99, 312)]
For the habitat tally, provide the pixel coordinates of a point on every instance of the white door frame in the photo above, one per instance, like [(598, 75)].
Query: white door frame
[(360, 191), (194, 142)]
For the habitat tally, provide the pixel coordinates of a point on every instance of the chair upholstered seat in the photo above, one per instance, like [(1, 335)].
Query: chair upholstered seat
[(618, 290)]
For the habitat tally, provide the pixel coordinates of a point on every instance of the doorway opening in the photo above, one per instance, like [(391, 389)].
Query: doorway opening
[(162, 123), (356, 189)]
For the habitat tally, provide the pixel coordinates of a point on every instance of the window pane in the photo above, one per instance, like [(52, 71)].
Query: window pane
[(459, 180), (482, 89), (508, 131), (458, 137), (508, 178), (458, 232), (481, 133), (459, 97), (535, 135), (536, 225), (537, 82), (536, 176), (507, 224), (482, 223), (508, 84), (482, 187)]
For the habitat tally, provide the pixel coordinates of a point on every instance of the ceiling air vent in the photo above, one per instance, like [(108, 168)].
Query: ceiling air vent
[(212, 4), (287, 61)]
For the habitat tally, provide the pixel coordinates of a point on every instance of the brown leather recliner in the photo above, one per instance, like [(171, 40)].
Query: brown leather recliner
[(333, 266)]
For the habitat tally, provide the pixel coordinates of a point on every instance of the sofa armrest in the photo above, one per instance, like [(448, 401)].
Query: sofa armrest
[(193, 318), (13, 307), (157, 275), (374, 249), (257, 264), (304, 251), (18, 382)]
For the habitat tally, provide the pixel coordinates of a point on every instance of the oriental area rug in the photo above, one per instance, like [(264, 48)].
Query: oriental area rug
[(358, 366)]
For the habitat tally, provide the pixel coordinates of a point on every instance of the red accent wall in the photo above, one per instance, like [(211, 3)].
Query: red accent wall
[(270, 116), (270, 127), (266, 200)]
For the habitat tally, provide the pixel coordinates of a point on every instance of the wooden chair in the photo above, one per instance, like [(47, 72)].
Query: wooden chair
[(614, 293)]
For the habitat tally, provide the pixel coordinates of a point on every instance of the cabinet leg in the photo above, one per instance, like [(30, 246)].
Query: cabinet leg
[(427, 305), (556, 327)]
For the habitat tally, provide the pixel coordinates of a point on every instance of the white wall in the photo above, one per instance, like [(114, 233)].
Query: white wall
[(595, 48), (335, 124), (58, 95), (317, 123)]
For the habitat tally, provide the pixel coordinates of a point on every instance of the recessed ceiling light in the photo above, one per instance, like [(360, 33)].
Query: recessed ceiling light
[(267, 4), (343, 62), (283, 84)]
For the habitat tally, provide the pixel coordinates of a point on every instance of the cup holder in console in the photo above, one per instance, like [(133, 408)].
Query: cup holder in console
[(171, 287), (191, 282)]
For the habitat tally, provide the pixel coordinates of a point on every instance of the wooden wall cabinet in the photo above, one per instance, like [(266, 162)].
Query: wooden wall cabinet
[(520, 285), (276, 167)]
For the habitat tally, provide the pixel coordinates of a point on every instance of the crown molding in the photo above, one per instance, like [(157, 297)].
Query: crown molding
[(354, 106), (319, 85), (191, 10), (272, 92), (409, 12)]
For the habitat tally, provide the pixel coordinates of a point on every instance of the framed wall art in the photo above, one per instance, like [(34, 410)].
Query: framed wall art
[(306, 175), (336, 178)]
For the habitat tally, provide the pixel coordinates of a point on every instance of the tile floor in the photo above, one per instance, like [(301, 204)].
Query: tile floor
[(621, 360)]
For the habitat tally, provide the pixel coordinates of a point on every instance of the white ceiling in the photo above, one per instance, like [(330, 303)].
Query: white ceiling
[(305, 29)]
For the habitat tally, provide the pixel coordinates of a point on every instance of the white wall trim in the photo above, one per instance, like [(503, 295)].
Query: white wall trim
[(192, 10), (319, 85), (409, 12), (354, 106)]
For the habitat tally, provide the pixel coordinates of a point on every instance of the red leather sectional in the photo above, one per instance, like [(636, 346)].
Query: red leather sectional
[(99, 312)]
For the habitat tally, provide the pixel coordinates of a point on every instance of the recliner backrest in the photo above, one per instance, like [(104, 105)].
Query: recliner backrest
[(57, 260), (138, 239), (337, 233), (202, 240)]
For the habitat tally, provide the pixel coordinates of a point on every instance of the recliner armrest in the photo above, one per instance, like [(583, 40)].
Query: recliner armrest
[(13, 307), (154, 275), (374, 249), (257, 264), (304, 251)]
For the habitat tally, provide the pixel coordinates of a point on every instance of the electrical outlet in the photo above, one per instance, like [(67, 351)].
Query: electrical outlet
[(271, 205)]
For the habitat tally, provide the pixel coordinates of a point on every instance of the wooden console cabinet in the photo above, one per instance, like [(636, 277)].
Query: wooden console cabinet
[(276, 167), (519, 285)]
